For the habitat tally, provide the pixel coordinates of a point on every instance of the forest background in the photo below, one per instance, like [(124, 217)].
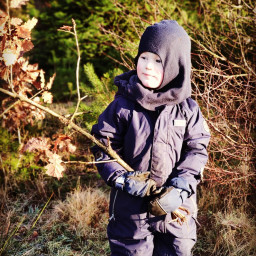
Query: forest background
[(44, 215)]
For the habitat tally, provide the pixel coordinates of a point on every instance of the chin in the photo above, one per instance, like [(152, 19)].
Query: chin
[(150, 86)]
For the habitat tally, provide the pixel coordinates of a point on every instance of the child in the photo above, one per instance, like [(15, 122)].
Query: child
[(156, 128)]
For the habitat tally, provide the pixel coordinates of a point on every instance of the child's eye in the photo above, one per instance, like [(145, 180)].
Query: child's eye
[(158, 61), (143, 57)]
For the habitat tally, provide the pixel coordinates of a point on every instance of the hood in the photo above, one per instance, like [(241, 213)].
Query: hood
[(172, 44)]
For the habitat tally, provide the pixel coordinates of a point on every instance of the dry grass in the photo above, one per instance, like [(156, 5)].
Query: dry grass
[(83, 210), (237, 234)]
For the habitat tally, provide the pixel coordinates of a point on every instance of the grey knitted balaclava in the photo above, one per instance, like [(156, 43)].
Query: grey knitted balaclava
[(172, 44)]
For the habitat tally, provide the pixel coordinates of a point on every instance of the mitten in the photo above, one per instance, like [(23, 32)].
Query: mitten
[(136, 183), (168, 201)]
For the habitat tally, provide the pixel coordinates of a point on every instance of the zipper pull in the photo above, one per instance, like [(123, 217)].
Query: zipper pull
[(112, 217)]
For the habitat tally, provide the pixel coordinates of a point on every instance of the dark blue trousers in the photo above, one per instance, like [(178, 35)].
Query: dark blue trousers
[(157, 244)]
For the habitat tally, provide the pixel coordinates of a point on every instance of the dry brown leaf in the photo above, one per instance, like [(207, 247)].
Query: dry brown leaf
[(5, 72), (17, 3), (9, 56), (60, 138), (16, 21), (55, 167), (36, 114), (23, 32), (42, 79), (3, 42), (49, 84), (67, 146), (47, 97), (2, 14), (27, 45), (33, 67), (3, 19), (71, 148), (23, 63), (67, 28), (30, 24), (33, 144), (31, 77)]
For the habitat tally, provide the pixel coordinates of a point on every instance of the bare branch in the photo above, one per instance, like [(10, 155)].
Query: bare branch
[(92, 162)]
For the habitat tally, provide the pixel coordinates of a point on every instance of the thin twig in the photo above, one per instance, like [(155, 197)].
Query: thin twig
[(218, 74), (77, 71), (92, 162)]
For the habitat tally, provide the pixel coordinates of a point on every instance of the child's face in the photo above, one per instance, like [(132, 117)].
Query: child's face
[(150, 70)]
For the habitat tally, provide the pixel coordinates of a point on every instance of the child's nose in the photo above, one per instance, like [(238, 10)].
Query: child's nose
[(149, 65)]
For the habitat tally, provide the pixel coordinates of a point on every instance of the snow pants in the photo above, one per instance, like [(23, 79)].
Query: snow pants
[(156, 245), (133, 231)]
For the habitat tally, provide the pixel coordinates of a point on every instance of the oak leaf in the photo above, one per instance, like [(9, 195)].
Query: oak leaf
[(9, 56), (35, 144), (30, 24), (23, 32), (27, 45), (17, 3), (3, 19), (47, 97), (55, 167), (49, 84), (65, 145), (16, 21)]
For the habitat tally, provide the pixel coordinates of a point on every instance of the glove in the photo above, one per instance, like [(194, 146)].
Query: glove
[(168, 201), (171, 198), (136, 183), (180, 183)]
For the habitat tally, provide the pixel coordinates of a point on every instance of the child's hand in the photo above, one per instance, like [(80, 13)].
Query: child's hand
[(136, 183), (168, 201)]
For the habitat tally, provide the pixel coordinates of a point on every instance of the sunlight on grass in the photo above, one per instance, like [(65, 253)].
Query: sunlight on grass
[(83, 209)]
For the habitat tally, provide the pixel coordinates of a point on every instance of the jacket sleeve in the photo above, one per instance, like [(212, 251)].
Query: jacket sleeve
[(194, 150), (112, 125)]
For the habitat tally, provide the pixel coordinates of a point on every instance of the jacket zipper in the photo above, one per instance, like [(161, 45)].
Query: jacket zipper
[(159, 112)]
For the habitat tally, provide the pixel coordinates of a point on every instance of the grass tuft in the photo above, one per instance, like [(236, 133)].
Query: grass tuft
[(83, 210), (237, 233)]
